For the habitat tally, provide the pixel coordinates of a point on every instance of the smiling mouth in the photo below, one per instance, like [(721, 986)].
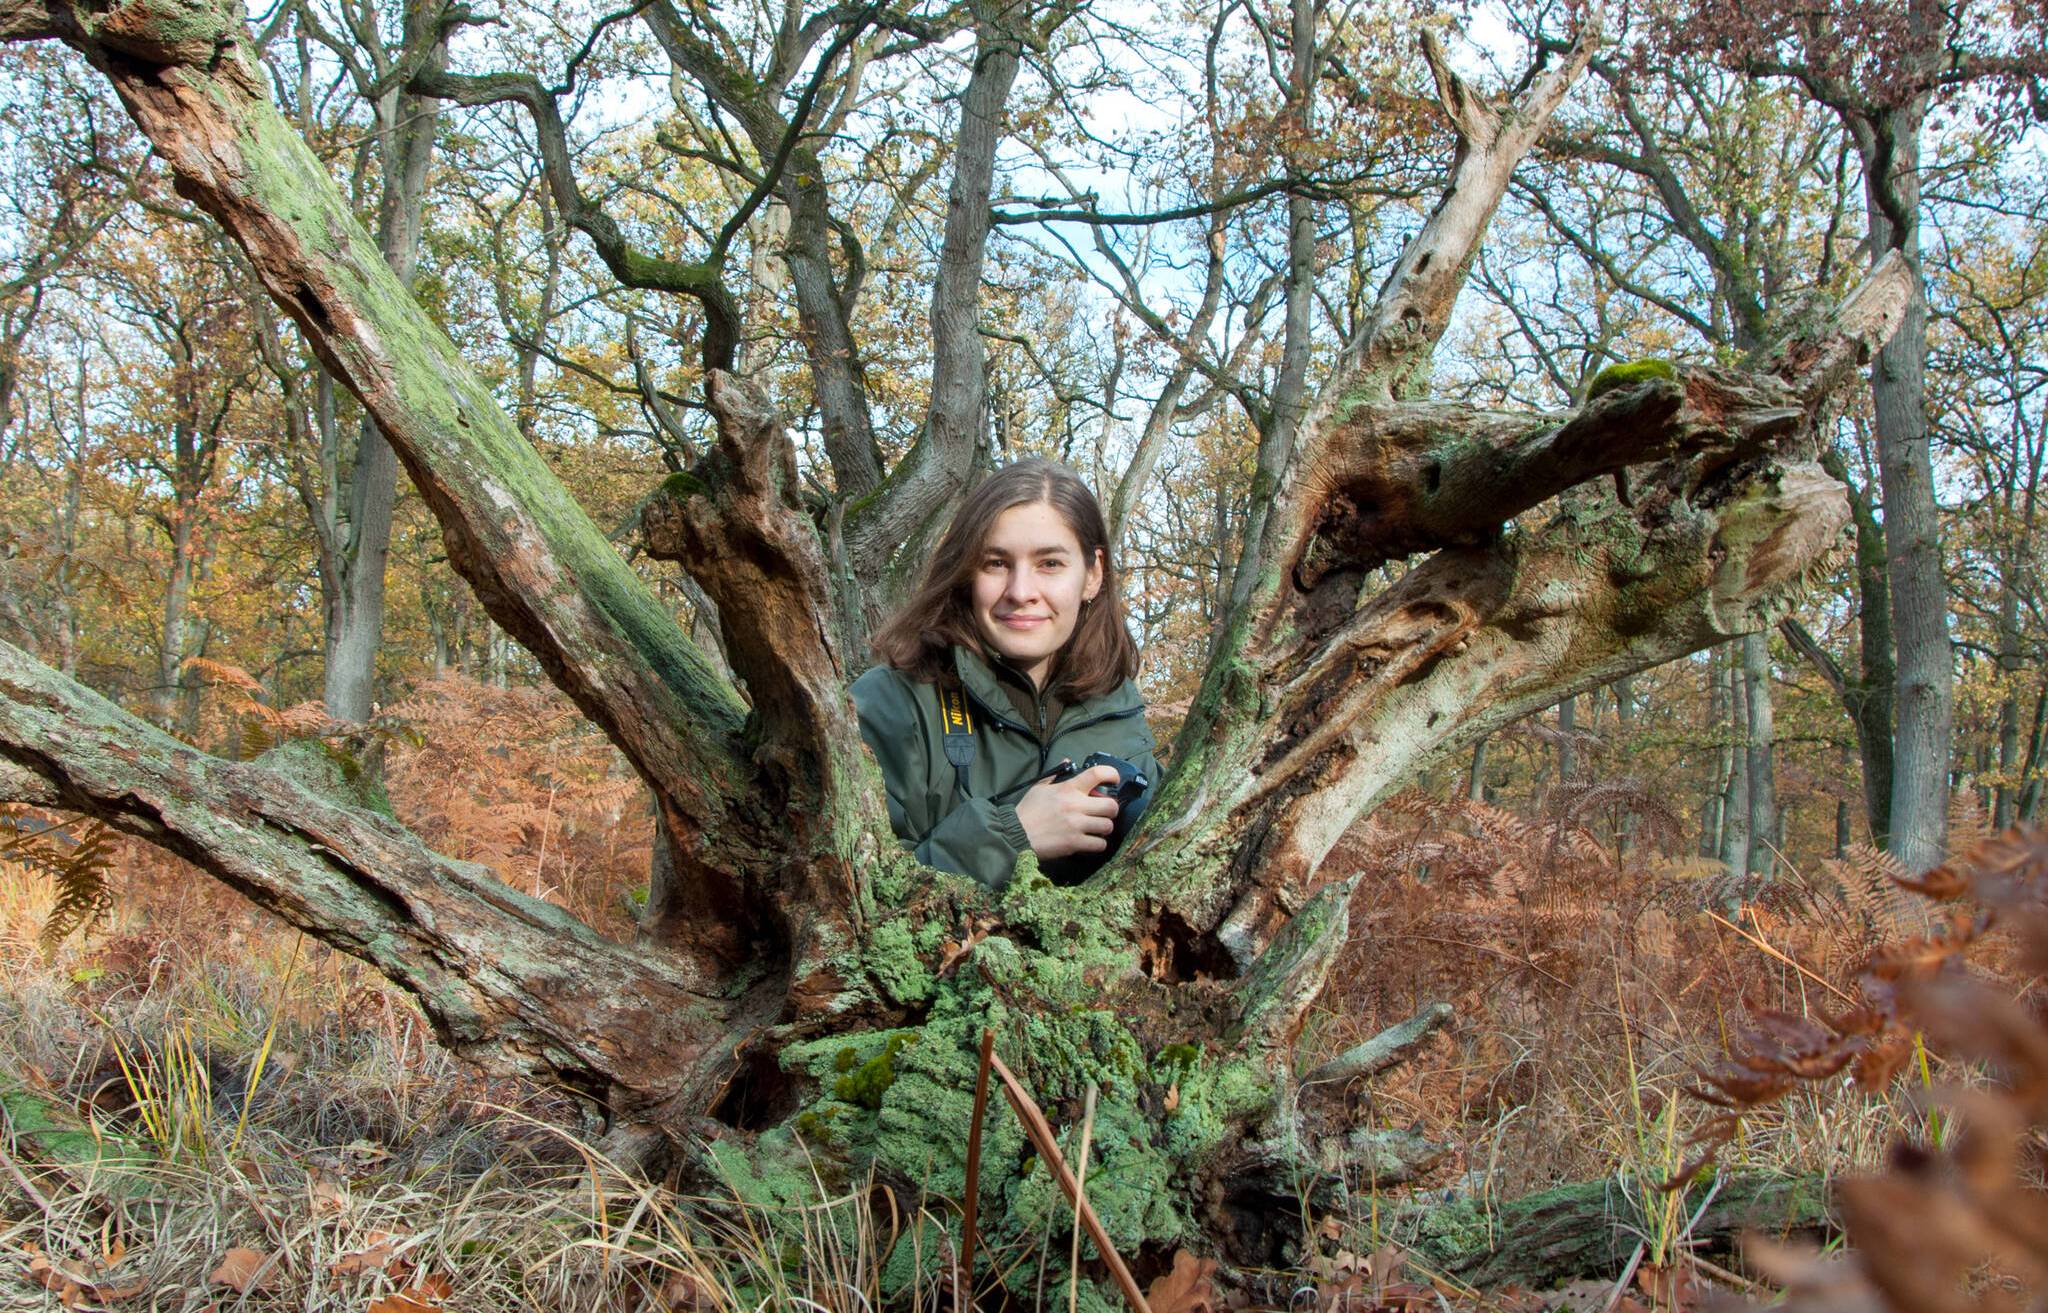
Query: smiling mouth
[(1022, 621)]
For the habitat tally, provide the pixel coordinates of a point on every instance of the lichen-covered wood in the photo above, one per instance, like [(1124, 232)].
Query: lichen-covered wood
[(805, 1001)]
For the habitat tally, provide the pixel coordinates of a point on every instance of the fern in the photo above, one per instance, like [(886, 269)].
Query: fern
[(79, 866)]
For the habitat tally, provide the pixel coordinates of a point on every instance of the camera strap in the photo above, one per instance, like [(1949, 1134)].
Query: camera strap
[(958, 724)]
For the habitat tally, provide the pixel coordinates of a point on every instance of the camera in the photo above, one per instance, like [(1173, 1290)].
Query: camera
[(1130, 794)]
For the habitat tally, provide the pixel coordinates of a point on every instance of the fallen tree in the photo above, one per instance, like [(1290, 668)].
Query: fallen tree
[(1593, 1228), (803, 999)]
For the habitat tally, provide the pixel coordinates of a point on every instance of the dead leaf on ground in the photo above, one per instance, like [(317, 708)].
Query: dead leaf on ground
[(380, 1256), (73, 1288), (329, 1193), (423, 1296), (682, 1292), (1186, 1288), (244, 1270)]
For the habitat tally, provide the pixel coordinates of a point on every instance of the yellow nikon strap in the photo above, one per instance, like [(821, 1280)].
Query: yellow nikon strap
[(958, 723)]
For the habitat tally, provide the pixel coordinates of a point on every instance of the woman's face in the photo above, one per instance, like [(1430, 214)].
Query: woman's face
[(1029, 586)]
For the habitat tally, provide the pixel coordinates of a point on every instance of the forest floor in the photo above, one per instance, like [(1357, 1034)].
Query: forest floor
[(279, 1130)]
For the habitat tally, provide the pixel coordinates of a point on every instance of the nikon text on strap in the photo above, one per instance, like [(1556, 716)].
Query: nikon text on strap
[(959, 729)]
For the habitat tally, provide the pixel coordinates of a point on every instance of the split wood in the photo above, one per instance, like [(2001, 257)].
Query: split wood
[(1039, 1131)]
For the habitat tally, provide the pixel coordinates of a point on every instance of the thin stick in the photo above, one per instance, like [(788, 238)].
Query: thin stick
[(1628, 1272), (1080, 1188), (971, 1205), (1040, 1133), (35, 1196), (1723, 1274), (1763, 944)]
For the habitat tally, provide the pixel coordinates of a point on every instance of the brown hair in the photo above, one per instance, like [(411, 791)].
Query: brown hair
[(939, 615)]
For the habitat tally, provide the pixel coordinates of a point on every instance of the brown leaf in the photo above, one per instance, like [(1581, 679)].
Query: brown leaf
[(1186, 1288), (1881, 1060), (244, 1270), (955, 951), (1172, 1104), (46, 1274), (423, 1296), (381, 1256), (683, 1292), (329, 1192)]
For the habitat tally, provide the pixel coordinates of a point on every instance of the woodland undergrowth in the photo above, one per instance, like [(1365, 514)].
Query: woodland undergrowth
[(290, 1136)]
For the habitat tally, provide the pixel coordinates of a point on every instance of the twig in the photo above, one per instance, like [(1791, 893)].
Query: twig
[(1764, 946), (1720, 1273), (971, 1205), (1040, 1133), (1081, 1189), (1621, 1283), (35, 1196)]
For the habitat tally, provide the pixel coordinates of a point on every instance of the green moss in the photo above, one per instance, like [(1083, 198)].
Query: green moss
[(1635, 371), (1175, 1059), (848, 1059), (865, 1085), (815, 1125), (682, 485)]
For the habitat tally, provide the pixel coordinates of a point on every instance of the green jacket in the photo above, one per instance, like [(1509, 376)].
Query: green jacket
[(977, 833)]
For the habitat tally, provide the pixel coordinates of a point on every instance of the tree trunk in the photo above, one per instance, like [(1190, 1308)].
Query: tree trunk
[(406, 125), (1764, 836), (2006, 800), (1923, 705), (1591, 1229), (1567, 742), (1713, 812), (2030, 767), (808, 1002), (1624, 732), (1736, 831), (1844, 830)]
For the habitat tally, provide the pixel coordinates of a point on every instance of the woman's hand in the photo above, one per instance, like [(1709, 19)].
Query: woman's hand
[(1066, 818)]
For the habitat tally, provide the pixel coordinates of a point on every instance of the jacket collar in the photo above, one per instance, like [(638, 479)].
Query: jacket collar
[(983, 685)]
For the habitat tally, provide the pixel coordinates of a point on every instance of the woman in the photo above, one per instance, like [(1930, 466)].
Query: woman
[(1015, 641)]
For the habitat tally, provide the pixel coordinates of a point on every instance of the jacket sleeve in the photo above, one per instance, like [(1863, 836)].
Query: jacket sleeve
[(980, 839)]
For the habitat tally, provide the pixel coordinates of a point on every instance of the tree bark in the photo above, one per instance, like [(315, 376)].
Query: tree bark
[(1764, 836), (1713, 812), (1923, 704), (1736, 831)]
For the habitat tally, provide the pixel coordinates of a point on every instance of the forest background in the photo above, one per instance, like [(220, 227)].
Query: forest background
[(1191, 210)]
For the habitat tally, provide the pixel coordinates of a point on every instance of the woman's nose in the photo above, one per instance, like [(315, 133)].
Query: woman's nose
[(1023, 585)]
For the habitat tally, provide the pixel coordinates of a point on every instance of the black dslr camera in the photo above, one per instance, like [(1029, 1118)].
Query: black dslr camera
[(1131, 797)]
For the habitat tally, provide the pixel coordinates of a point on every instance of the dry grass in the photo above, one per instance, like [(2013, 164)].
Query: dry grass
[(362, 1164)]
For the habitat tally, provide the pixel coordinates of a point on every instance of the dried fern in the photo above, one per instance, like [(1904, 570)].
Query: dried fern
[(79, 865)]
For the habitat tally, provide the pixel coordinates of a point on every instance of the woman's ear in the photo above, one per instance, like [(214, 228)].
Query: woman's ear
[(1094, 584)]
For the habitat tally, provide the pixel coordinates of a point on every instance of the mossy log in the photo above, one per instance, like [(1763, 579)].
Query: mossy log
[(804, 1002), (1590, 1229)]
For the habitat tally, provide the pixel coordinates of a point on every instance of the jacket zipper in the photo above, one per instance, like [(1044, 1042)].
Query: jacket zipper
[(1044, 742)]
